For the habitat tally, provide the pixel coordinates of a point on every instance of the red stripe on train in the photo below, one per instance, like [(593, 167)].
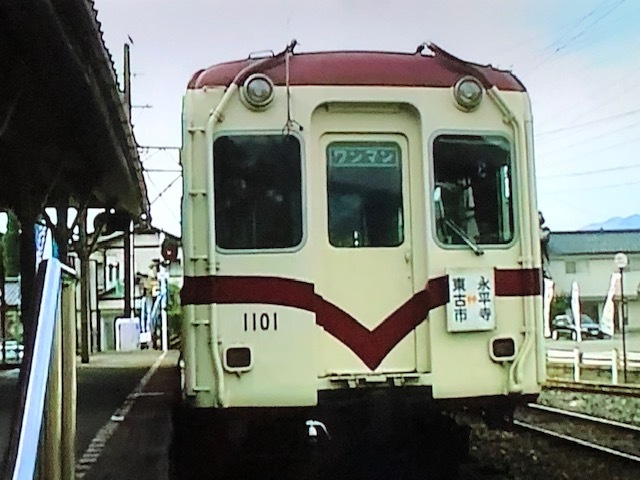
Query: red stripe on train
[(371, 346)]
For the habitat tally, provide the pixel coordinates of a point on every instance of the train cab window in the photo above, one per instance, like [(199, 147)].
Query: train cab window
[(258, 191), (472, 194), (364, 191)]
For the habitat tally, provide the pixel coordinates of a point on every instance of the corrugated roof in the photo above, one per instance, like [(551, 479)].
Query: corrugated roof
[(598, 242)]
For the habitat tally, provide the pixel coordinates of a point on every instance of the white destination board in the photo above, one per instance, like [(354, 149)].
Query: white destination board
[(471, 300)]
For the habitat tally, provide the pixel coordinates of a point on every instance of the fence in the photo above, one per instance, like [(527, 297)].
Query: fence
[(42, 441), (611, 360)]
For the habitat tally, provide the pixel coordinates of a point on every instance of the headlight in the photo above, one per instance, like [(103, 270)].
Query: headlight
[(257, 91), (468, 93)]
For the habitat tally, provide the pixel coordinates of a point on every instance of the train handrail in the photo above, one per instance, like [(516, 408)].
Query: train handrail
[(531, 308), (42, 361), (216, 117)]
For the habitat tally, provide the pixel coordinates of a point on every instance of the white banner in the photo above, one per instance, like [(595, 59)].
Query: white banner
[(548, 297), (606, 321), (575, 309)]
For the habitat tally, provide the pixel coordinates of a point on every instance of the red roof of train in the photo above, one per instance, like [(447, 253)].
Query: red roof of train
[(357, 68)]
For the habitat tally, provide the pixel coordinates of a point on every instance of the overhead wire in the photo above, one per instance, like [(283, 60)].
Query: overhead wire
[(588, 172), (161, 197), (588, 123), (603, 30), (591, 139), (561, 44), (592, 188)]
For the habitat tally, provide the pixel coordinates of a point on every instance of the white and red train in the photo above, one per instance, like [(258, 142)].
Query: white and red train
[(359, 220)]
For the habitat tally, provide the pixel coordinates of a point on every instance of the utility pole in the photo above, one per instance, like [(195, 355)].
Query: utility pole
[(83, 252), (128, 250)]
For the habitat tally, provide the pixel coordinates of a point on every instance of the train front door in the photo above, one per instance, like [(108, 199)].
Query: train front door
[(365, 270)]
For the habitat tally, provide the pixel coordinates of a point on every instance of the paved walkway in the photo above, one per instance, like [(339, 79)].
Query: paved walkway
[(136, 442)]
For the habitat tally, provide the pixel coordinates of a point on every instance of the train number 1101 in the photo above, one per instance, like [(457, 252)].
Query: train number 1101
[(260, 321)]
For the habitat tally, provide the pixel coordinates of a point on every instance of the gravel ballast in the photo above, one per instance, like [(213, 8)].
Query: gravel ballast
[(522, 455)]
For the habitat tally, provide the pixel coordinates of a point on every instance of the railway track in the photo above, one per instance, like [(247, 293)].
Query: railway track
[(610, 437), (593, 387)]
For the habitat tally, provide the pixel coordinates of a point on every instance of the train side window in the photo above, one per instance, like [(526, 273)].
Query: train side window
[(472, 194), (364, 192), (258, 191)]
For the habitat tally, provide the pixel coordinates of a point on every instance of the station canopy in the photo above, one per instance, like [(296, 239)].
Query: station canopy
[(65, 134)]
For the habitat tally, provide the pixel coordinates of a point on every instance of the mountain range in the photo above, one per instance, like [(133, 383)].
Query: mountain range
[(616, 223)]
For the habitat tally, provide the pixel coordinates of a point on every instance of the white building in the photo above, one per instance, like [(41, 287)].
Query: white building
[(110, 275), (586, 257)]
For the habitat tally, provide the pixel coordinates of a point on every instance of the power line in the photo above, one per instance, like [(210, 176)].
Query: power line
[(165, 189), (161, 197), (590, 122), (561, 44), (591, 139), (623, 85), (589, 172), (587, 189)]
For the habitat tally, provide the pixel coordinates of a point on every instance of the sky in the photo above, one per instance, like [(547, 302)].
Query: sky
[(578, 59)]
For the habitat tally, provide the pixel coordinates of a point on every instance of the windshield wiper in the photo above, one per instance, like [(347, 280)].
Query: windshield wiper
[(465, 238)]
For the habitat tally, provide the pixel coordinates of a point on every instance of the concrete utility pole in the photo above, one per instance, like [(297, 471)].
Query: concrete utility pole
[(128, 250)]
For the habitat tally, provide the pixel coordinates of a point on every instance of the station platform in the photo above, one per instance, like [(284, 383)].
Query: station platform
[(134, 439)]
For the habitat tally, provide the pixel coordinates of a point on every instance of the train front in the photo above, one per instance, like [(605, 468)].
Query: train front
[(358, 222)]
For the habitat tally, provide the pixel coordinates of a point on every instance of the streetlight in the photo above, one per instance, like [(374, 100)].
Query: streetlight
[(621, 261)]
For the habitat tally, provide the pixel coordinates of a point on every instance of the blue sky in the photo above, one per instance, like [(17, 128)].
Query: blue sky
[(579, 61)]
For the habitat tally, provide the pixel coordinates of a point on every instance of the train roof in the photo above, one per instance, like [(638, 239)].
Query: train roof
[(358, 68)]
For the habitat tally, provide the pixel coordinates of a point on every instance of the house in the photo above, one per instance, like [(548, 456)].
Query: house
[(587, 257), (13, 325), (109, 277)]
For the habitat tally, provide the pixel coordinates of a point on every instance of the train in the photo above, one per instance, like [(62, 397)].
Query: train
[(357, 222)]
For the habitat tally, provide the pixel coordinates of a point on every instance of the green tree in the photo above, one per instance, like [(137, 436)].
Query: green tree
[(560, 304), (11, 244), (174, 309)]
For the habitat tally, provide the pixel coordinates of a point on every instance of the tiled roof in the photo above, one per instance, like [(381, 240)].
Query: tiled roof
[(598, 242)]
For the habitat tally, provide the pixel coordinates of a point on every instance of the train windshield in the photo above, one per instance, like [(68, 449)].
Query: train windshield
[(472, 194), (364, 189), (258, 191)]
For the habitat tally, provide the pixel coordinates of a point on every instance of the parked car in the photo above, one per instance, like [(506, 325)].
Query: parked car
[(563, 325)]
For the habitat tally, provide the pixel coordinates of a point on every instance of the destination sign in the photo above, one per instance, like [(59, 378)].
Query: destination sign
[(361, 154)]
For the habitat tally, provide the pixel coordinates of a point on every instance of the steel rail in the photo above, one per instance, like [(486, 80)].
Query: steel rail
[(584, 416), (593, 387), (579, 441)]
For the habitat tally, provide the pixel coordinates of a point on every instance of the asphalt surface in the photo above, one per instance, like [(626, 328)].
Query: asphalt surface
[(103, 386)]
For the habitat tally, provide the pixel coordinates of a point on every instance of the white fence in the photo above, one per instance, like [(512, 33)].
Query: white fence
[(612, 360)]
